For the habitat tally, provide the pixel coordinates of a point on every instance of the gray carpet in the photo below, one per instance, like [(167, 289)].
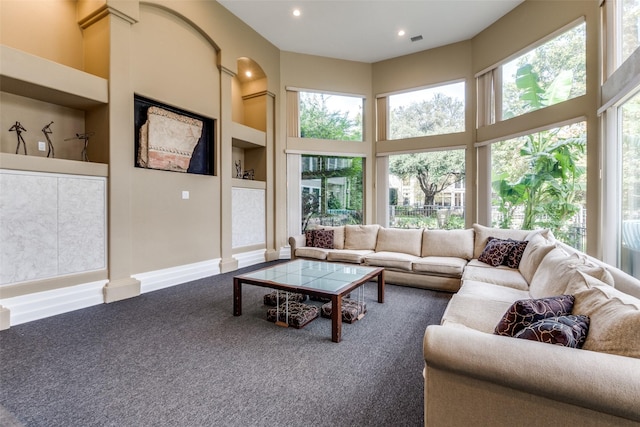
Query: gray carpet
[(178, 357)]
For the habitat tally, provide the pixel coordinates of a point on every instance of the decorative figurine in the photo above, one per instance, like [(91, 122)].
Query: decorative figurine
[(248, 174), (18, 129), (85, 137), (47, 131), (239, 169)]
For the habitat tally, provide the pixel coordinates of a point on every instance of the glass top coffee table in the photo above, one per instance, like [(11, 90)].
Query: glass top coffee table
[(317, 278)]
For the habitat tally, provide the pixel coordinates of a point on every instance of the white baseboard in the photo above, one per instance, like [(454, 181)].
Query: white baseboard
[(285, 252), (27, 308), (167, 277), (247, 259)]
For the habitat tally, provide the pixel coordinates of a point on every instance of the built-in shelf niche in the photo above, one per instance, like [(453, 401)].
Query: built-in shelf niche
[(36, 91), (249, 149)]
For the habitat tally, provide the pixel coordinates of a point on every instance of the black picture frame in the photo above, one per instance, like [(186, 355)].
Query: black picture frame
[(203, 157)]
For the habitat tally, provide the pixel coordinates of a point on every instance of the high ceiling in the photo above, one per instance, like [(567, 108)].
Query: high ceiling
[(365, 30)]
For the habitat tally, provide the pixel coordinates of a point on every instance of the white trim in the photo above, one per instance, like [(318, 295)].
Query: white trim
[(531, 131), (285, 252), (247, 259), (167, 277), (422, 150), (419, 88), (327, 92), (325, 153), (27, 308)]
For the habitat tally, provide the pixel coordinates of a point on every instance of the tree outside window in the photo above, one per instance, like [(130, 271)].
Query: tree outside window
[(427, 190), (328, 116)]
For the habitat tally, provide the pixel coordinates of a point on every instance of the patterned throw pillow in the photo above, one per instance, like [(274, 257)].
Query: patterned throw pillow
[(319, 239), (323, 239), (495, 251), (512, 260), (569, 331), (308, 238), (523, 313)]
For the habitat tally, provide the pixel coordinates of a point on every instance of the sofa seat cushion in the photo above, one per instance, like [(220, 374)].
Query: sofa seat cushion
[(394, 260), (440, 265), (311, 252), (501, 275), (492, 291), (408, 241), (348, 255), (475, 312)]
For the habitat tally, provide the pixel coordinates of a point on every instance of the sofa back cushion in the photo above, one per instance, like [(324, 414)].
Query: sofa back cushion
[(338, 236), (483, 233), (360, 236), (535, 251), (408, 241), (558, 269), (448, 243), (614, 316)]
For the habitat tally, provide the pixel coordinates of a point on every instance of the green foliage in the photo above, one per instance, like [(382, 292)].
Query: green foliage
[(439, 115), (550, 189), (434, 171), (318, 121)]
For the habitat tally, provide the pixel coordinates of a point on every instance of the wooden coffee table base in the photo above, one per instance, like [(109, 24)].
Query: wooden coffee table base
[(336, 297)]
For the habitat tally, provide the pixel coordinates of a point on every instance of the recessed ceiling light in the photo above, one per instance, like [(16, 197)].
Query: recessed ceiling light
[(248, 74), (296, 12), (401, 33)]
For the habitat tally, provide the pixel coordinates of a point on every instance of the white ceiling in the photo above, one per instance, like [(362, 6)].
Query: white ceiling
[(366, 30)]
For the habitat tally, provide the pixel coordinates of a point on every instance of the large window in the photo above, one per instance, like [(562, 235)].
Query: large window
[(629, 21), (550, 73), (331, 190), (630, 184), (539, 181), (330, 116), (427, 190), (433, 111)]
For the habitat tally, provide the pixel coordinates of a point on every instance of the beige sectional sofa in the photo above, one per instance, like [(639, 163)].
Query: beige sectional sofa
[(473, 376)]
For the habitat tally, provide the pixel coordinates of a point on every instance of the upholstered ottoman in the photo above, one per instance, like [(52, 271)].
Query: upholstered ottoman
[(273, 297), (298, 314), (351, 310)]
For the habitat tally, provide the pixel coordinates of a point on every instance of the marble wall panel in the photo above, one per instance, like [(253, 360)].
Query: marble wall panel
[(248, 217), (50, 225), (28, 227), (81, 224)]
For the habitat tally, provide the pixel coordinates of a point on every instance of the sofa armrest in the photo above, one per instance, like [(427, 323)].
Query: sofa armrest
[(604, 382), (296, 242)]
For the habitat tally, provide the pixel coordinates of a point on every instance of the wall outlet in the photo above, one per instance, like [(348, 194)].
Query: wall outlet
[(42, 146), (185, 195)]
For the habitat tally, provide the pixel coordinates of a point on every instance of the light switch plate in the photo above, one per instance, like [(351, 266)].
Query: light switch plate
[(185, 195), (42, 146)]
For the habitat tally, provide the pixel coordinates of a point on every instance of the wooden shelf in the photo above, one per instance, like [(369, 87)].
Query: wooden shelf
[(34, 77)]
